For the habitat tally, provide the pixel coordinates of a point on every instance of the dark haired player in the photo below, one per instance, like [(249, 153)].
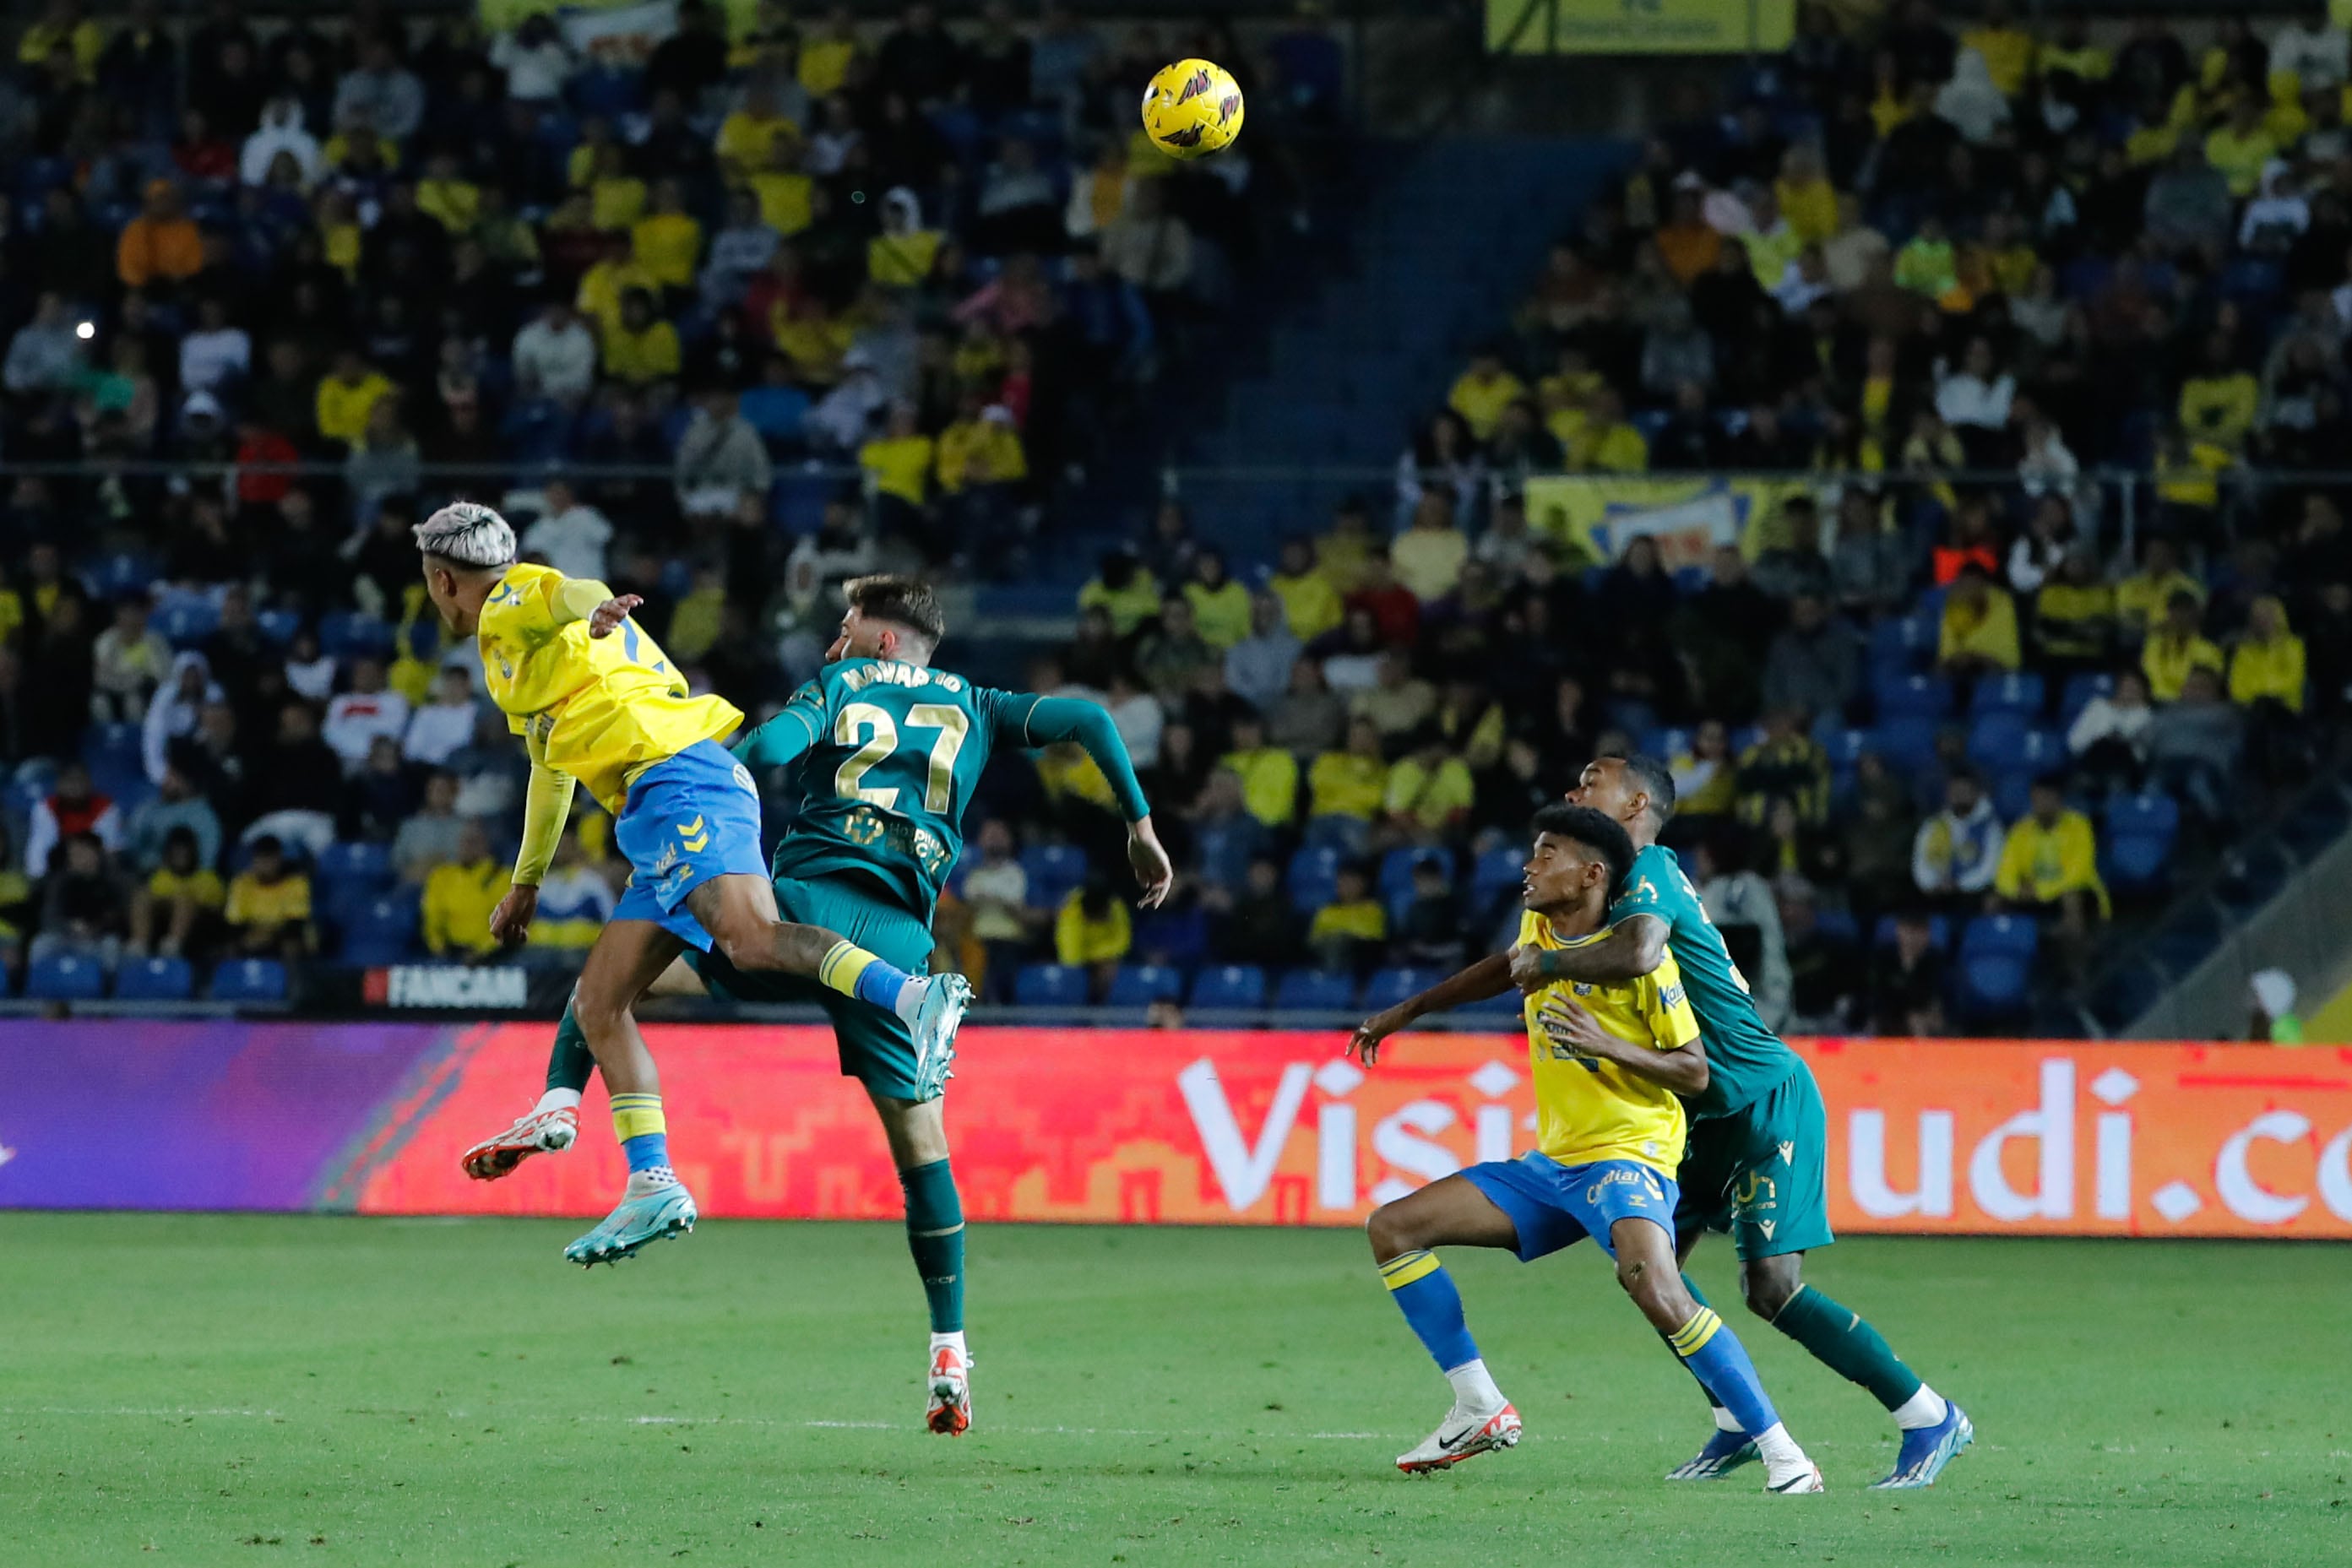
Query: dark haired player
[(1758, 1157), (885, 750), (1607, 1060)]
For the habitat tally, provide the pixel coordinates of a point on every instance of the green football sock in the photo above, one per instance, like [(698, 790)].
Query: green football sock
[(1840, 1339), (570, 1064), (935, 1236)]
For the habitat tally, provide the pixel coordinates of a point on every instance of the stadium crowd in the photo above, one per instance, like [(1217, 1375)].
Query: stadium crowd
[(657, 302), (1925, 279)]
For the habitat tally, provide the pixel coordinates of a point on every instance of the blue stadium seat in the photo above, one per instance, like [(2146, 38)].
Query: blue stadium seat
[(1229, 985), (1140, 985), (186, 622), (1746, 736), (154, 980), (1050, 986), (359, 862), (2012, 794), (1509, 1003), (1314, 879), (1315, 990), (1844, 746), (2017, 692), (1397, 868), (1837, 926), (278, 626), (2153, 813), (249, 980), (1996, 741), (2080, 690), (1994, 985), (2137, 863), (64, 978), (1908, 745), (1497, 869), (2015, 934), (105, 744), (1940, 933), (1913, 697), (1896, 644), (348, 634), (1389, 987), (383, 930), (1055, 871)]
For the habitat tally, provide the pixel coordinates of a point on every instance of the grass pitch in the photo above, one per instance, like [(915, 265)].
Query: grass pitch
[(258, 1389)]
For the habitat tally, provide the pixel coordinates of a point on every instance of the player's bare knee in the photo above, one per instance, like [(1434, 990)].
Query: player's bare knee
[(1767, 1289), (1392, 1233)]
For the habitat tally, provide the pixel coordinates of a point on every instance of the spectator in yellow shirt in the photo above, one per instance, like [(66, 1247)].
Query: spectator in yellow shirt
[(1309, 602), (900, 256), (668, 242), (784, 189), (2218, 404), (641, 349), (1807, 199), (826, 50), (2177, 647), (2267, 666), (1484, 392), (2141, 597), (1123, 590), (601, 286), (171, 915), (1348, 932), (460, 896), (2241, 145), (347, 395), (1221, 607), (1351, 784), (1429, 791), (1611, 445), (899, 460), (981, 450), (2008, 49), (446, 196), (1269, 776), (2050, 863), (268, 908), (62, 27), (746, 136), (616, 198), (1091, 931), (1980, 629)]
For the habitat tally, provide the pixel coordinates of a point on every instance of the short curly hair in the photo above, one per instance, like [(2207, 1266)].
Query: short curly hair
[(468, 533)]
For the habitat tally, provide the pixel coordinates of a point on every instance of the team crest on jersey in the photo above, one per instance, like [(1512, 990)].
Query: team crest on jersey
[(1581, 987)]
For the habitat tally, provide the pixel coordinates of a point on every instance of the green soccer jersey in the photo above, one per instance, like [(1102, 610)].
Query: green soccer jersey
[(886, 757), (1745, 1060)]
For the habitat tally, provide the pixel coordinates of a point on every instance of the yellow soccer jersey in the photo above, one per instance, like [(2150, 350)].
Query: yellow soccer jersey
[(599, 709), (1591, 1110)]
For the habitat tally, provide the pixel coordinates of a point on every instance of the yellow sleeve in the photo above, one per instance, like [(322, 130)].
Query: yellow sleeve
[(240, 906), (435, 910), (1665, 1007), (297, 901), (2016, 861), (547, 806), (1070, 932)]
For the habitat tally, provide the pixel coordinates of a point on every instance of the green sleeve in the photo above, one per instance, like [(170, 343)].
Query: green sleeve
[(784, 737), (1028, 720)]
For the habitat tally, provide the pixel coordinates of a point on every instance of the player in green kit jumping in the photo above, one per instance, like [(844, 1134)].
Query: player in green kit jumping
[(1756, 1160), (885, 751)]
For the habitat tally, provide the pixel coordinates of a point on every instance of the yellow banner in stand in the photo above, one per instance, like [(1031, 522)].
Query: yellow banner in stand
[(1689, 517), (1638, 27)]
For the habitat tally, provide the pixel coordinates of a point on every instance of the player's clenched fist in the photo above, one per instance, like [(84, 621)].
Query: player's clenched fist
[(606, 618), (510, 921)]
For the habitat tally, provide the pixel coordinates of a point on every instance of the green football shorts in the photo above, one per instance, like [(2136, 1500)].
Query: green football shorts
[(876, 1046), (1762, 1173)]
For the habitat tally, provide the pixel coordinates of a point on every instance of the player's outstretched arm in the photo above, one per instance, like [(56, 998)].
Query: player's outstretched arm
[(779, 741), (1683, 1069), (546, 807), (1489, 976), (1635, 947), (1051, 720)]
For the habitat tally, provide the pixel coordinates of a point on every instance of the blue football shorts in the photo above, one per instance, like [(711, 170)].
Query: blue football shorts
[(687, 819), (1554, 1205)]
